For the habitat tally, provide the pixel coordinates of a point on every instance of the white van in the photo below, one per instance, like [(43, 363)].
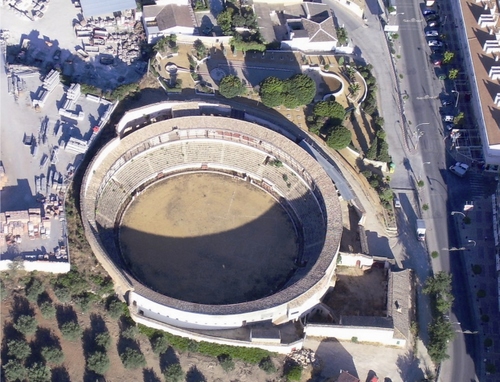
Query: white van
[(459, 169)]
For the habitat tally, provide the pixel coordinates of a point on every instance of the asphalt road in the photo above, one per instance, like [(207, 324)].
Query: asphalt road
[(419, 151)]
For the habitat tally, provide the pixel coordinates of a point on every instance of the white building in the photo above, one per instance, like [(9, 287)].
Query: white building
[(168, 17)]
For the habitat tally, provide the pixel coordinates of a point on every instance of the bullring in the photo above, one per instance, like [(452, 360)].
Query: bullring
[(158, 149)]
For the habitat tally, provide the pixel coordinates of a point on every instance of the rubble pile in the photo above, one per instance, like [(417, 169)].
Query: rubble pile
[(304, 357)]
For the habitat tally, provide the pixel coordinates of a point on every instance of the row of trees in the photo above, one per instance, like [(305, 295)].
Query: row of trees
[(438, 287)]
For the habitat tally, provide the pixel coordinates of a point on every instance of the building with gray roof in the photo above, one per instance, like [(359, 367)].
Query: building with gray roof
[(99, 8)]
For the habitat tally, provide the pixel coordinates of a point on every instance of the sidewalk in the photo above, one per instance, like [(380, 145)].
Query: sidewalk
[(479, 260)]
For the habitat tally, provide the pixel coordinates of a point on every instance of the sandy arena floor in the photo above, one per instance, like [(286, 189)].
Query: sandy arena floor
[(209, 238)]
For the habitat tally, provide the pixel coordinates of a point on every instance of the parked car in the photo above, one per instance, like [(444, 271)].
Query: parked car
[(434, 24), (432, 33), (450, 126), (448, 118), (446, 102), (435, 43), (427, 12), (459, 169), (430, 18), (57, 55)]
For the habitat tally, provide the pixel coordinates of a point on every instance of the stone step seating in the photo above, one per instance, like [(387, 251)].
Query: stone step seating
[(237, 157), (165, 157), (110, 201), (277, 176), (203, 151), (134, 173)]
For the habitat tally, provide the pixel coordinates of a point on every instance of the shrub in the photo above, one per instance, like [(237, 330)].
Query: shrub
[(132, 359), (434, 254), (71, 330), (48, 310), (62, 293), (14, 371), (52, 354), (103, 340), (226, 362), (267, 365), (425, 207), (294, 372), (34, 289), (488, 342), (19, 349), (98, 362), (231, 86), (477, 269), (85, 300), (174, 373), (39, 372), (4, 293), (354, 339), (339, 138), (26, 324), (485, 318), (481, 293), (116, 308), (160, 344), (420, 183)]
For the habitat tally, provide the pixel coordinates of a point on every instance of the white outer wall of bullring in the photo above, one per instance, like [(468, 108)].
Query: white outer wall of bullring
[(292, 310)]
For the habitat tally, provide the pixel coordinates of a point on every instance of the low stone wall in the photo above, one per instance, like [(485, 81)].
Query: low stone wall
[(384, 336), (40, 266)]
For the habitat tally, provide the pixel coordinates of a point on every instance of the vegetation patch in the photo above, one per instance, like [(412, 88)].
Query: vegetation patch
[(295, 91)]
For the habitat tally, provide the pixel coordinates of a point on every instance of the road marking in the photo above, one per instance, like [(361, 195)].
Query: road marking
[(427, 97), (413, 20)]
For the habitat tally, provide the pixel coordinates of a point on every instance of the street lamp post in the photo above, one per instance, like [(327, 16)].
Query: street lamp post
[(457, 212), (472, 241), (458, 97)]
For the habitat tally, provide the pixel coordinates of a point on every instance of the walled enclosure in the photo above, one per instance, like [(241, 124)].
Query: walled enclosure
[(127, 165)]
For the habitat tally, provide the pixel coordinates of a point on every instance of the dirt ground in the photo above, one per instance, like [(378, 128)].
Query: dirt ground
[(358, 292), (216, 239)]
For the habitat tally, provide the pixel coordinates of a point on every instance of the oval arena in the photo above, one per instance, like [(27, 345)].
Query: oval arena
[(210, 222)]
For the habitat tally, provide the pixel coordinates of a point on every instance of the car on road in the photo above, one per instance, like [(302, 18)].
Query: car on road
[(449, 126), (427, 12), (446, 102), (448, 118), (435, 43), (459, 169), (397, 202), (434, 24), (430, 18), (432, 33)]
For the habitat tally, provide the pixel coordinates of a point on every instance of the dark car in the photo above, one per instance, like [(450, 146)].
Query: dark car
[(446, 102), (434, 24), (57, 55), (430, 18), (428, 12)]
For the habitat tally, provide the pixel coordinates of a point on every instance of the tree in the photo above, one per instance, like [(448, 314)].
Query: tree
[(62, 293), (115, 308), (440, 333), (271, 92), (174, 373), (294, 372), (19, 349), (39, 372), (339, 138), (52, 354), (200, 48), (130, 332), (226, 362), (453, 74), (330, 109), (132, 359), (14, 371), (302, 88), (459, 119), (267, 365), (48, 310), (342, 36), (71, 330), (372, 151), (103, 340), (231, 86), (225, 21), (448, 57), (26, 324), (160, 344), (33, 289), (98, 362), (440, 287)]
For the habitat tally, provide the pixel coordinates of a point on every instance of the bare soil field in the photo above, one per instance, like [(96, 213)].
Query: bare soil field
[(358, 292), (209, 238)]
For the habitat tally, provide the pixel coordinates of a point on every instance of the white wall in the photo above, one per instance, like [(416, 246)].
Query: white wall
[(351, 259), (305, 45), (277, 348), (363, 334), (40, 266)]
